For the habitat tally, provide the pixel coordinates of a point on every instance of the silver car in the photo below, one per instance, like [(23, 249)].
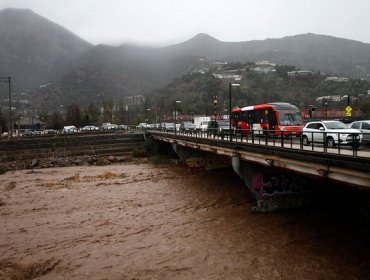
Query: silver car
[(364, 127), (331, 133)]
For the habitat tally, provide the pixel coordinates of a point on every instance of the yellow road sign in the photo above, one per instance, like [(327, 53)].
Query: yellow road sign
[(348, 111)]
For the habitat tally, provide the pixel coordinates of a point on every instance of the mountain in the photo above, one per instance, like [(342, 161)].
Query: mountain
[(112, 73), (34, 50), (106, 72), (331, 55)]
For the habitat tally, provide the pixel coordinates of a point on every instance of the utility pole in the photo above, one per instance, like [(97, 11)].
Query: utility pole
[(10, 123), (215, 106)]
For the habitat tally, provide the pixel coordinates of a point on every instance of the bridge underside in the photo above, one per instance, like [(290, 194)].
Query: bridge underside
[(273, 188), (276, 180)]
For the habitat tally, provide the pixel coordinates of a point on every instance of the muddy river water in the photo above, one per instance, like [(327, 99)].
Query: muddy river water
[(145, 221)]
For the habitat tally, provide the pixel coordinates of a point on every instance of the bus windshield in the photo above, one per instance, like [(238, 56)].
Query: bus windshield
[(290, 117)]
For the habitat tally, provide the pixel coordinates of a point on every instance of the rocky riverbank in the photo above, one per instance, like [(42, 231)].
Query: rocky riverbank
[(63, 162)]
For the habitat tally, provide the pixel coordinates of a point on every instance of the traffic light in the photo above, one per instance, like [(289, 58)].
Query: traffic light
[(312, 109)]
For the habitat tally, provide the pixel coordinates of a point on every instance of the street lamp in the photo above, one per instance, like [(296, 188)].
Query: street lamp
[(146, 114), (215, 105), (156, 109), (8, 80), (230, 86), (326, 110), (177, 101), (312, 111)]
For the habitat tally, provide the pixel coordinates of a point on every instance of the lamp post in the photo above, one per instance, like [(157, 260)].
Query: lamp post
[(230, 86), (326, 110), (215, 105), (156, 109), (8, 80), (177, 101), (146, 114)]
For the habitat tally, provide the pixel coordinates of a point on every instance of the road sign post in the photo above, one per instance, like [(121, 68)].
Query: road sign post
[(348, 111)]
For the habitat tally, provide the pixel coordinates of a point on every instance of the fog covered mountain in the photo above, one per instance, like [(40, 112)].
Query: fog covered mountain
[(35, 51)]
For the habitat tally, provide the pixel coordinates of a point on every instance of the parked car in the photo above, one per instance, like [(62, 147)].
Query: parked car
[(187, 127), (69, 129), (90, 128), (143, 126), (219, 128), (50, 132), (168, 127), (123, 127), (109, 126), (330, 132), (364, 127), (203, 126)]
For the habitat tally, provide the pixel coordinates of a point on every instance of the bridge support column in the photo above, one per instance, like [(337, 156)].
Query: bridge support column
[(275, 189)]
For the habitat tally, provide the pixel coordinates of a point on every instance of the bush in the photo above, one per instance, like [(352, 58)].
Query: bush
[(2, 170), (139, 153)]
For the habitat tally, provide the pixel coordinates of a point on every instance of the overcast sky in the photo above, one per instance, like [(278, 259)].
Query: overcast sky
[(163, 22)]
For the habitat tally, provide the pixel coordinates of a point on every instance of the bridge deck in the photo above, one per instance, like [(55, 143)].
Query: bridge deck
[(340, 164)]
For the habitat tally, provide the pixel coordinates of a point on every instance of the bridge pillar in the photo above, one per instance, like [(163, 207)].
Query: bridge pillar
[(200, 159), (276, 189)]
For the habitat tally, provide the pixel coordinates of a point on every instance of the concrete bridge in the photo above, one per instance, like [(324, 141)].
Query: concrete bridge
[(279, 172)]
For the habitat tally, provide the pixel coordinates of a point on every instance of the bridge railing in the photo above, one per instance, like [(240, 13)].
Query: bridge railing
[(338, 143)]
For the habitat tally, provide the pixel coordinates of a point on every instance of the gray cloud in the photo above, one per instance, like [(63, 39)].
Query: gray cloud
[(161, 22)]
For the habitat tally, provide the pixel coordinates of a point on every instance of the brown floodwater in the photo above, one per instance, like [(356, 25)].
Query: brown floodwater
[(144, 221)]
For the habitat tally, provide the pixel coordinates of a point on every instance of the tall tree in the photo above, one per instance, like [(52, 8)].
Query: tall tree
[(91, 115), (107, 111), (73, 115), (55, 121)]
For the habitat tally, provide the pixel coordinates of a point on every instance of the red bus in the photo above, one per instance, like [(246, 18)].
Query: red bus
[(271, 118)]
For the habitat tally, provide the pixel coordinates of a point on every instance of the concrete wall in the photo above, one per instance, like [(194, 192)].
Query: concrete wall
[(70, 145)]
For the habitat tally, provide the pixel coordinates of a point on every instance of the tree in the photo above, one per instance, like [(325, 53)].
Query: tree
[(91, 115), (365, 107), (282, 70), (55, 121), (107, 111), (73, 115), (121, 113), (2, 121)]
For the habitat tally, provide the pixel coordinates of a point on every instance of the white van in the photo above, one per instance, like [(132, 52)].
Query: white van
[(69, 129)]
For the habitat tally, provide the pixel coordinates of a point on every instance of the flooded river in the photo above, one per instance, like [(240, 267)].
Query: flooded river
[(144, 221)]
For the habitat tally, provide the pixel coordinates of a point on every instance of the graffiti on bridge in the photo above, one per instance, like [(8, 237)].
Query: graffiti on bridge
[(276, 184)]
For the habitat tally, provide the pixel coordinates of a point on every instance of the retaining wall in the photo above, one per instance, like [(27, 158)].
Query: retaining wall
[(70, 145)]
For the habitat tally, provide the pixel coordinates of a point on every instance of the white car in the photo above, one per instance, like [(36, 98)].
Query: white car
[(203, 126), (69, 129), (90, 128), (144, 126), (333, 132), (364, 127)]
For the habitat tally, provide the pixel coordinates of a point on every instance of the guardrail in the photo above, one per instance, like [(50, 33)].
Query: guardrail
[(283, 139), (27, 133)]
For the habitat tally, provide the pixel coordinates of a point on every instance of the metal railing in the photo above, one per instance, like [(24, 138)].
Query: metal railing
[(352, 145)]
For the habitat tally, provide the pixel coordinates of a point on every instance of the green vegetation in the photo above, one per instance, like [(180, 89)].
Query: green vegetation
[(2, 170), (196, 91)]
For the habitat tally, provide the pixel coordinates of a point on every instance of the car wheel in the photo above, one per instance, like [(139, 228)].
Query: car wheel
[(330, 142), (305, 140)]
